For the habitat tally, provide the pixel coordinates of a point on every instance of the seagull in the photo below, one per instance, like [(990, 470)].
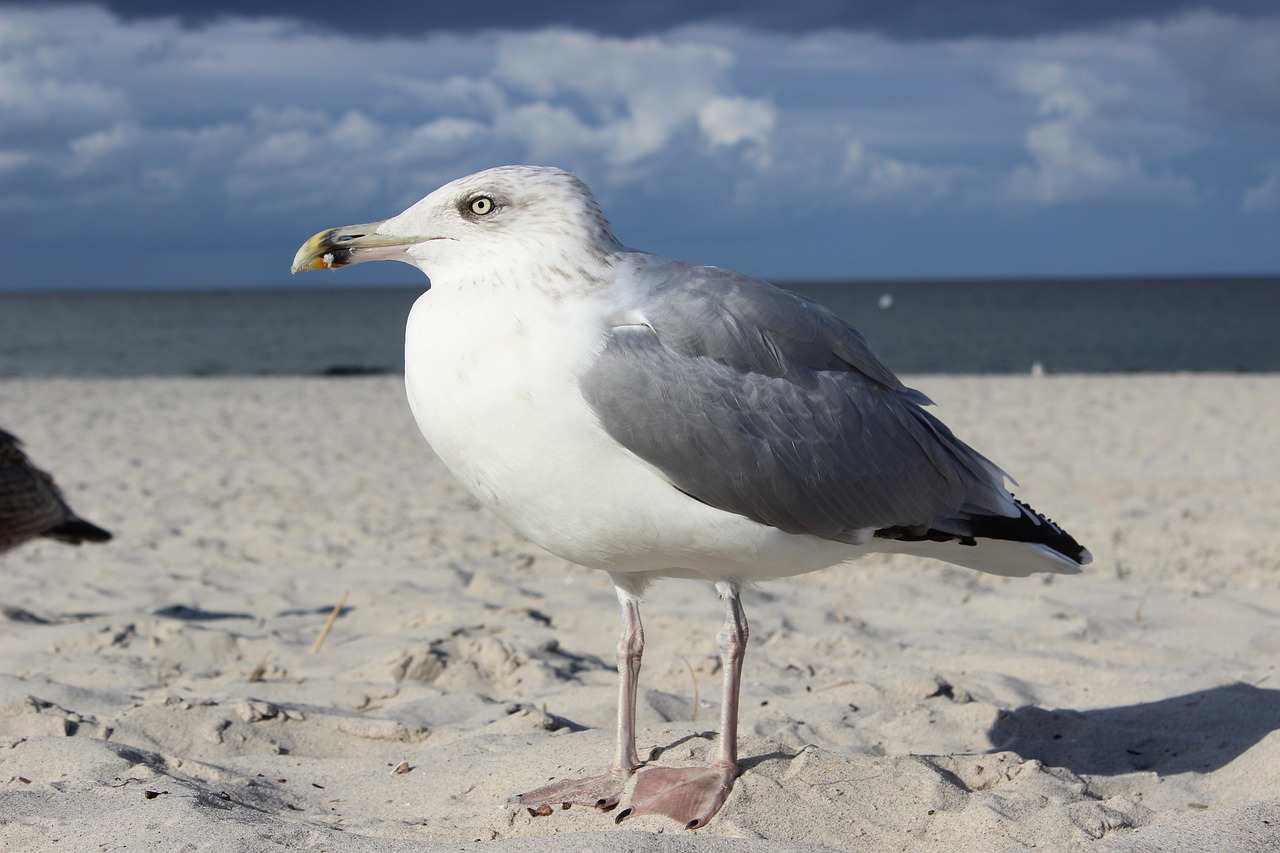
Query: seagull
[(31, 505), (654, 419)]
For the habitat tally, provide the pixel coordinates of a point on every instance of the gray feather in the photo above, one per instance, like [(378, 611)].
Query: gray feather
[(761, 403)]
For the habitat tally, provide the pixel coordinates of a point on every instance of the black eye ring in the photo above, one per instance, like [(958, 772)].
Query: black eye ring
[(481, 205)]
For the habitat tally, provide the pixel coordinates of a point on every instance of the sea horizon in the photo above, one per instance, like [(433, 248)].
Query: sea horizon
[(414, 281), (960, 325)]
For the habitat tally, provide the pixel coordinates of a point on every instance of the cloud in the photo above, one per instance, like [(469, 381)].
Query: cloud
[(265, 127), (1075, 145), (731, 121), (1264, 196), (871, 176), (89, 83), (632, 97), (1230, 65)]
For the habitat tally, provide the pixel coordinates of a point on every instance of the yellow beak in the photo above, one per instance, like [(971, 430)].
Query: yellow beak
[(350, 244)]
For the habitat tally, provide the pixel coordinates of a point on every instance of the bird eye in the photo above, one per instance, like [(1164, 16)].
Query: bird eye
[(481, 205)]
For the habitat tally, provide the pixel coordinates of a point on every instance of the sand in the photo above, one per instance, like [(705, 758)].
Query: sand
[(159, 692)]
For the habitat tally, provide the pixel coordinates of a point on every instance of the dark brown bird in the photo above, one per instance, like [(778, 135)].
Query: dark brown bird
[(31, 504)]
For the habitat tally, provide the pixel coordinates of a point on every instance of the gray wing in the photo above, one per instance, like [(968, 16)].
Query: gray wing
[(761, 403)]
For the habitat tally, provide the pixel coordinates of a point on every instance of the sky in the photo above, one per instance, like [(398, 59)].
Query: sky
[(805, 140)]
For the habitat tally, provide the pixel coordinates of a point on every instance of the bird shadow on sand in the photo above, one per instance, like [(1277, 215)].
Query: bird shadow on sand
[(1196, 732)]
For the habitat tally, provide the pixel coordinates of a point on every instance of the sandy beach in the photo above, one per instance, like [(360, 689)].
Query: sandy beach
[(160, 691)]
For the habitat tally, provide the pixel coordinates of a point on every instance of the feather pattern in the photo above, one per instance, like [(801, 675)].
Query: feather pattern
[(31, 504)]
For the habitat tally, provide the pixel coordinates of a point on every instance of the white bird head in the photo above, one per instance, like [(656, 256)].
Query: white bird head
[(511, 219)]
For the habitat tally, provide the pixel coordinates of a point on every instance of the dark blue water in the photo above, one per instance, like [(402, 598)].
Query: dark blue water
[(1098, 326), (1095, 326)]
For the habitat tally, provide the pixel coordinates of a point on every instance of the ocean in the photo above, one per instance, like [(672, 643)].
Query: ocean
[(972, 327)]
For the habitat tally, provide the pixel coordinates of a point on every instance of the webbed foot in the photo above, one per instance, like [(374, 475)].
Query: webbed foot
[(688, 795), (601, 791)]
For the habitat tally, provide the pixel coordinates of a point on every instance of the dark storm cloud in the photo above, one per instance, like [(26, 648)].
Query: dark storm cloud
[(909, 19)]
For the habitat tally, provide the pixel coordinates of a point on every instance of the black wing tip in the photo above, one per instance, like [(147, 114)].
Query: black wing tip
[(77, 531), (1029, 526), (1035, 528)]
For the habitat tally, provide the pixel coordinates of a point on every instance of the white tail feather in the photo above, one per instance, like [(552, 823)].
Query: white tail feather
[(994, 556)]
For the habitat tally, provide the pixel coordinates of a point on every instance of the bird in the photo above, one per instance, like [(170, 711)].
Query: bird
[(31, 504), (655, 418)]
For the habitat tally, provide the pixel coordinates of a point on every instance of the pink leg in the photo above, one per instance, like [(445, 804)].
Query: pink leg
[(604, 789), (693, 795)]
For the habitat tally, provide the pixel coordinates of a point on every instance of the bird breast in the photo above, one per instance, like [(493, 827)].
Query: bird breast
[(490, 378)]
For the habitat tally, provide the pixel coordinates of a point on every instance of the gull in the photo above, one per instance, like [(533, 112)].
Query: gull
[(31, 505), (660, 419)]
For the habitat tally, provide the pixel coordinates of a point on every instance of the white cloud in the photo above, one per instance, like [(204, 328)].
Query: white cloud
[(1264, 196), (355, 132), (444, 138), (14, 160), (266, 122), (872, 176), (281, 150), (633, 97), (1230, 67), (90, 150), (285, 97), (551, 131), (732, 121), (35, 51), (1077, 143), (29, 100)]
